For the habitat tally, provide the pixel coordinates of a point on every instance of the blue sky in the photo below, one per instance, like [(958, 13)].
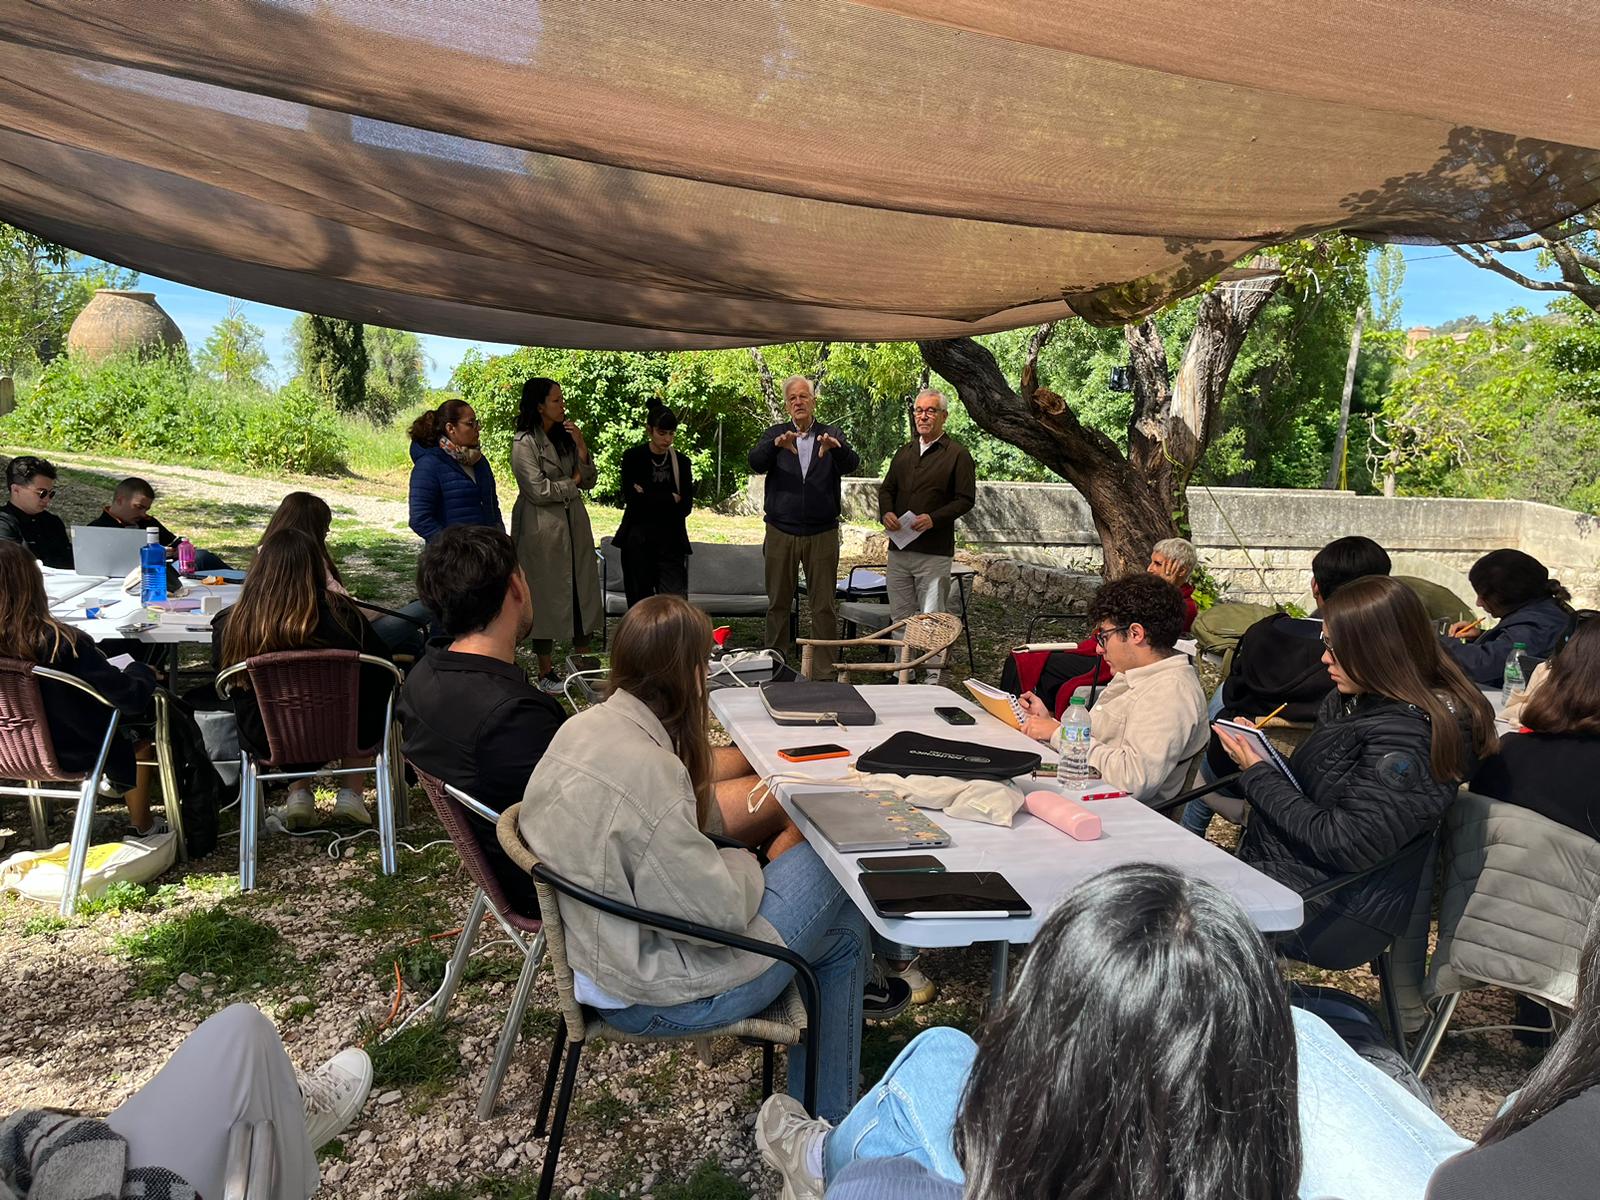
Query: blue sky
[(1439, 286)]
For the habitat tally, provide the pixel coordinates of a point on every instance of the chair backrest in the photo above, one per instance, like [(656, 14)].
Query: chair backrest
[(458, 822), (308, 701), (722, 570), (611, 566), (931, 632), (27, 750), (555, 937)]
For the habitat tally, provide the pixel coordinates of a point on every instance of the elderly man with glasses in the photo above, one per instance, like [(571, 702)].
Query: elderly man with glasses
[(27, 517), (932, 482)]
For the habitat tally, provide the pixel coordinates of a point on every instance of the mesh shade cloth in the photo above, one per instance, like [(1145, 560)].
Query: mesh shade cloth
[(641, 173)]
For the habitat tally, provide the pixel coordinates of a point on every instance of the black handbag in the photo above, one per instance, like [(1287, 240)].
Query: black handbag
[(909, 753)]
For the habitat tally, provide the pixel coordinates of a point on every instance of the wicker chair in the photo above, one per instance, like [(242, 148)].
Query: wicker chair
[(28, 753), (791, 1017), (457, 813), (308, 709), (924, 636)]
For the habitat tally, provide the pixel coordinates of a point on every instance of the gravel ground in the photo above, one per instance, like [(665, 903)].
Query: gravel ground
[(85, 1026)]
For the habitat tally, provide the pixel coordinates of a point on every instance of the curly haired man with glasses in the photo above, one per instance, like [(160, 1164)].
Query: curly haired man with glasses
[(1150, 722), (27, 517)]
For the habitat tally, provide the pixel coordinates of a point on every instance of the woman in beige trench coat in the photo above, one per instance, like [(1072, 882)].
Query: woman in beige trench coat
[(550, 525)]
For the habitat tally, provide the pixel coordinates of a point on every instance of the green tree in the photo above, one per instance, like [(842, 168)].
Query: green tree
[(330, 358), (396, 371), (234, 353), (43, 286)]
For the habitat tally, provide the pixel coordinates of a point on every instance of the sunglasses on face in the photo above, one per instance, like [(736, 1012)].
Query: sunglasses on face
[(43, 493)]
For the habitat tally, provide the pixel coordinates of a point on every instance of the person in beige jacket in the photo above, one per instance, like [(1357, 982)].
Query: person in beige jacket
[(1150, 722), (550, 526), (617, 805)]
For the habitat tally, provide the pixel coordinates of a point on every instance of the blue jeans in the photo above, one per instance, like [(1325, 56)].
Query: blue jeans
[(1197, 813), (400, 635), (1363, 1136), (817, 920)]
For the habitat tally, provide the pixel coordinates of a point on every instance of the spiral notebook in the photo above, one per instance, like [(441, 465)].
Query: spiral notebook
[(998, 703), (1261, 743)]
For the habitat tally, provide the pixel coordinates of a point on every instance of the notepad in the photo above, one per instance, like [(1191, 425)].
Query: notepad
[(1262, 744), (998, 703)]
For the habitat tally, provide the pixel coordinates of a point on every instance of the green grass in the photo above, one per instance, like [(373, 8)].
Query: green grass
[(45, 924), (122, 896), (239, 952), (425, 1057), (602, 1109), (409, 902)]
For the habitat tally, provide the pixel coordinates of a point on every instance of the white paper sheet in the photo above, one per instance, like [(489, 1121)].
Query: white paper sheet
[(905, 535)]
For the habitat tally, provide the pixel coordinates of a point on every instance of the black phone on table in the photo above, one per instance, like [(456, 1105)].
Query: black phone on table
[(919, 864), (800, 754), (951, 715)]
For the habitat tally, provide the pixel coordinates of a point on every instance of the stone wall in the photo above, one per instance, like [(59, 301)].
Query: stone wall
[(1258, 542)]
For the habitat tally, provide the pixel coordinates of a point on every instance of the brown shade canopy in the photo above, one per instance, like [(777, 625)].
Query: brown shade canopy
[(701, 173)]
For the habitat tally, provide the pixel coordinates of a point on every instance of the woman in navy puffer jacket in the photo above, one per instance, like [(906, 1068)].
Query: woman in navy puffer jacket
[(451, 483)]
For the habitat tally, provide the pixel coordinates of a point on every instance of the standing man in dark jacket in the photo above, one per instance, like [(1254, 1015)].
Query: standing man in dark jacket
[(804, 461), (27, 517), (932, 479)]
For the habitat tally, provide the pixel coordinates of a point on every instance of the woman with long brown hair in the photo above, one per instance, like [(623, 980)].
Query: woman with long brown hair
[(1394, 739), (1552, 764), (77, 722), (617, 804), (286, 604)]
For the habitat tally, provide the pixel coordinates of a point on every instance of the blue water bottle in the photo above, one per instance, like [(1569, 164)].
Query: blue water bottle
[(152, 570)]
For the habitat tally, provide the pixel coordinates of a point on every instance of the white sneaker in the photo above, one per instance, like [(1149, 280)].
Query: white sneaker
[(299, 811), (349, 805), (334, 1093), (785, 1137), (923, 989)]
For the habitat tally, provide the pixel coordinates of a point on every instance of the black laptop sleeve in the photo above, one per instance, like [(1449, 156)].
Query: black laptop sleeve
[(908, 753)]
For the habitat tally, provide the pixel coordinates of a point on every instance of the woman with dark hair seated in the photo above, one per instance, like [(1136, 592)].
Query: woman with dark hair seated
[(287, 604), (1542, 1144), (1531, 609), (78, 722), (1392, 742), (1146, 1052), (1551, 766)]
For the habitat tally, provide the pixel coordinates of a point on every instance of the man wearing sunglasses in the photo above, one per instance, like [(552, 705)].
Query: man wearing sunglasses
[(27, 517)]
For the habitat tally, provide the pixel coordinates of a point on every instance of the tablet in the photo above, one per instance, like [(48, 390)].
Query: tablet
[(963, 894)]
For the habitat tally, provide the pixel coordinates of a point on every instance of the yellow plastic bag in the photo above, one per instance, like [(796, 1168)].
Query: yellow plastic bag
[(42, 874)]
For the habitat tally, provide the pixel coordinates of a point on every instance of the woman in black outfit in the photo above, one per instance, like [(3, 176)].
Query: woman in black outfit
[(658, 492), (1552, 766), (78, 722), (1530, 609), (287, 603), (1401, 730)]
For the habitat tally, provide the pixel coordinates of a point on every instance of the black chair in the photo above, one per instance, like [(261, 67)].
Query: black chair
[(792, 1016), (1420, 847)]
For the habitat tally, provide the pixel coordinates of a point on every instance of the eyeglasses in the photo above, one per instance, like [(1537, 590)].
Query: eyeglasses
[(1327, 645), (927, 412), (472, 424), (1100, 636)]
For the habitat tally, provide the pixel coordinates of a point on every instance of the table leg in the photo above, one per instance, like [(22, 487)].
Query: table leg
[(966, 622), (999, 965)]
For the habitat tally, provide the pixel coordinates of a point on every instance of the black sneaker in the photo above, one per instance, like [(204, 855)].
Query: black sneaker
[(884, 996)]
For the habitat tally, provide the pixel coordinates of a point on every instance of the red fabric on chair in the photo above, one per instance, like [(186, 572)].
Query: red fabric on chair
[(26, 749)]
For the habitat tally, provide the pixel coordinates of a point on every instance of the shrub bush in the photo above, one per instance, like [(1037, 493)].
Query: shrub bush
[(160, 408)]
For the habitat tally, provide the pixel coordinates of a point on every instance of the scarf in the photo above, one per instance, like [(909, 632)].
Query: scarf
[(467, 456)]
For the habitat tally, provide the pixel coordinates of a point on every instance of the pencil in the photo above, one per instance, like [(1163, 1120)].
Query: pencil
[(1272, 714), (1470, 627)]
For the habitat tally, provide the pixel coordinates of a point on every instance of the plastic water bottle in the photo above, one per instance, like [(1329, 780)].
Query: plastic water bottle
[(185, 557), (1075, 742), (1514, 682), (152, 570)]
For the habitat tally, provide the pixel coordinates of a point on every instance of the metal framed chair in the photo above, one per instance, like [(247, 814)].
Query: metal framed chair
[(792, 1016), (924, 636), (1421, 848), (308, 708), (457, 813)]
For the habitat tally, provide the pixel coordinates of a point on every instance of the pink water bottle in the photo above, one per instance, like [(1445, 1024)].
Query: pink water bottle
[(185, 557)]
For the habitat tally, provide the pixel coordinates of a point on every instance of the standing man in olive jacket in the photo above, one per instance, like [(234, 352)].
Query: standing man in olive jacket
[(934, 480), (804, 461)]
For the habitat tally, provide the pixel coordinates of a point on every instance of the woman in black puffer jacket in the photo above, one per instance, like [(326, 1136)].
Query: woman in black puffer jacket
[(1393, 741)]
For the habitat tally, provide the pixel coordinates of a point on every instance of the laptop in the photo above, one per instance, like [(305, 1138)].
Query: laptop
[(859, 821), (100, 550)]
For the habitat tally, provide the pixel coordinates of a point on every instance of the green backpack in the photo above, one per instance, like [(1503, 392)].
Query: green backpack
[(1219, 628)]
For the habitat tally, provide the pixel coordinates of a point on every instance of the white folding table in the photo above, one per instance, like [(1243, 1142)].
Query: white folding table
[(71, 597), (1040, 861)]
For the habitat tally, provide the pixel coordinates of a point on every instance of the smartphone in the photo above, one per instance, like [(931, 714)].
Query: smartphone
[(951, 715), (921, 864), (798, 754)]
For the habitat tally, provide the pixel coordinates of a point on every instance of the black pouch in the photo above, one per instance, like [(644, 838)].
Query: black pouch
[(909, 753)]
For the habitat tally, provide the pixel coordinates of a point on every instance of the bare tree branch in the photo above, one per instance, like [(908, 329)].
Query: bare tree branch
[(1489, 263), (769, 389), (825, 349), (1030, 368)]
